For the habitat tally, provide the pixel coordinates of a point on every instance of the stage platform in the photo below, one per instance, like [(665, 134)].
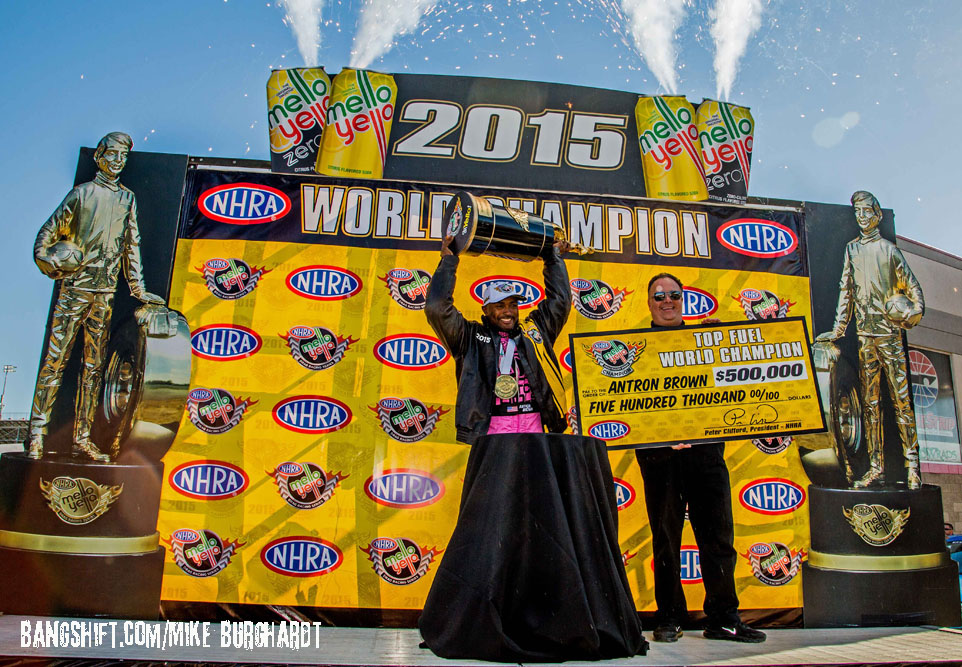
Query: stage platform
[(383, 646)]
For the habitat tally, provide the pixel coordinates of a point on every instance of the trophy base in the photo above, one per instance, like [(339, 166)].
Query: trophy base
[(878, 558), (39, 583)]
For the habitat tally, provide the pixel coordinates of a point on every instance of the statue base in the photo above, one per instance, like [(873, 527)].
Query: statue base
[(878, 558), (80, 537)]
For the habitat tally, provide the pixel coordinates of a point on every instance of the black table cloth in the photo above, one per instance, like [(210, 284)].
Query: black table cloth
[(533, 571)]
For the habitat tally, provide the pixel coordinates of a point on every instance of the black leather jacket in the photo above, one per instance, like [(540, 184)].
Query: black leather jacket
[(474, 347)]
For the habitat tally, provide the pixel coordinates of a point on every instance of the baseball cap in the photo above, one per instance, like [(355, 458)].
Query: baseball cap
[(497, 291)]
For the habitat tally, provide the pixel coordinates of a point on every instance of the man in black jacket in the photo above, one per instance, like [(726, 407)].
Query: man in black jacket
[(508, 376), (697, 476)]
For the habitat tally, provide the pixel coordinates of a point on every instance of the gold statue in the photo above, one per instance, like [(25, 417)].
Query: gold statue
[(880, 288), (83, 244)]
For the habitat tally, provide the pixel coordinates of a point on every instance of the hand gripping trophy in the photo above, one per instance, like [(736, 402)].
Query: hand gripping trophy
[(879, 287), (84, 244)]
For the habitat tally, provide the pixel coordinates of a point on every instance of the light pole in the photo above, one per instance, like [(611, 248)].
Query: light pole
[(7, 369)]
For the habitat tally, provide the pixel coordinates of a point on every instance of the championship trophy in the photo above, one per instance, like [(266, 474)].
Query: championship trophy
[(482, 228), (78, 509), (877, 538)]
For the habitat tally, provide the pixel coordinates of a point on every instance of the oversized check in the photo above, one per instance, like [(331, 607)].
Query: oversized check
[(701, 383)]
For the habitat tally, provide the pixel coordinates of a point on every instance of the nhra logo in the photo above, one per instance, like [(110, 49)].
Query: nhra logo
[(772, 496), (231, 278), (595, 299), (565, 359), (305, 486), (624, 494), (406, 419), (609, 430), (216, 411), (208, 480), (614, 356), (410, 352), (201, 553), (529, 294), (224, 342), (690, 565), (697, 303), (301, 556), (774, 445), (312, 414), (404, 488), (757, 238), (323, 283), (762, 304), (244, 204), (399, 561), (408, 288), (316, 348), (773, 563)]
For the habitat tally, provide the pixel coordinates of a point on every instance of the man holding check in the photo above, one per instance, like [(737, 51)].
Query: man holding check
[(683, 475)]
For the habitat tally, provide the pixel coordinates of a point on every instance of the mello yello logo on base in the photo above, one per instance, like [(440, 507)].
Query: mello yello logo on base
[(670, 149), (358, 125)]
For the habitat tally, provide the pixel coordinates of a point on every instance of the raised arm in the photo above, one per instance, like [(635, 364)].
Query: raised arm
[(446, 320)]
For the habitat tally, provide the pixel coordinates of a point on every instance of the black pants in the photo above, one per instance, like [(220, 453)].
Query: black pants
[(697, 477)]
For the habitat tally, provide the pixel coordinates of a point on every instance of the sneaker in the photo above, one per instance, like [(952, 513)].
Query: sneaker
[(736, 632), (667, 632)]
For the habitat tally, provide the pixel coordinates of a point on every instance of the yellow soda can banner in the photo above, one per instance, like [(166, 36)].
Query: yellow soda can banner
[(670, 148), (696, 384), (297, 102), (726, 132), (359, 125)]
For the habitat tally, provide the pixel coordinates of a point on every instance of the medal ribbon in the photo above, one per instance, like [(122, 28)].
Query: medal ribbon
[(550, 367), (506, 358)]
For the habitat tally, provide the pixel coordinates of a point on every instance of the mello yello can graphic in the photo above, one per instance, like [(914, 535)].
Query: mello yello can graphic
[(297, 102), (670, 151), (358, 124), (726, 132)]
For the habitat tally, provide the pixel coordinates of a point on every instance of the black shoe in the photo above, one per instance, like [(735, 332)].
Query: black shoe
[(736, 632), (667, 632)]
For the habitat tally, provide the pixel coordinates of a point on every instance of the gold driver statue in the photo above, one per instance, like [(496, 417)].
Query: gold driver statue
[(878, 286), (84, 244)]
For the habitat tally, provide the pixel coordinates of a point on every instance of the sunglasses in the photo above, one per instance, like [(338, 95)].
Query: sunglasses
[(674, 295)]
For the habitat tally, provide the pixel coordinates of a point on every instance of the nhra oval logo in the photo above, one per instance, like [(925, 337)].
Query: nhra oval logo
[(609, 430), (323, 283), (408, 288), (312, 414), (595, 299), (231, 279), (301, 556), (244, 204), (624, 493), (690, 565), (529, 293), (757, 238), (772, 496), (224, 342), (565, 359), (208, 480), (410, 352), (697, 303), (403, 488)]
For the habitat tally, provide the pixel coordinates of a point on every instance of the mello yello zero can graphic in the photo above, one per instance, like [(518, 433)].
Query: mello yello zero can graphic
[(726, 132), (358, 124), (670, 151), (297, 102)]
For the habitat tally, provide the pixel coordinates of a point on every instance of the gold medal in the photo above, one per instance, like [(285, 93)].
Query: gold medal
[(506, 387)]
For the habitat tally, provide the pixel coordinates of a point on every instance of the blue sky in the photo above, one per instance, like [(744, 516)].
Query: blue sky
[(846, 96)]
